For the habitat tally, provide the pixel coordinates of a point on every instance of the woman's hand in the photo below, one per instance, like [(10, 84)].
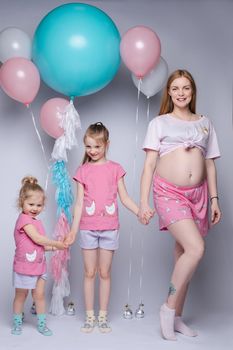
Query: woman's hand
[(215, 212)]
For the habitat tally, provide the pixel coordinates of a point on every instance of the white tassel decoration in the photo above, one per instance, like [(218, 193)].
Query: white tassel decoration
[(59, 149), (60, 291), (70, 122)]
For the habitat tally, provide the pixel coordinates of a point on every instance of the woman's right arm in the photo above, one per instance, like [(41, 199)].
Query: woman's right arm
[(77, 215), (145, 212)]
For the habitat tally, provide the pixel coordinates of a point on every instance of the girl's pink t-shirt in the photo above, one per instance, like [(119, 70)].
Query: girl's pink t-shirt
[(100, 181), (29, 257)]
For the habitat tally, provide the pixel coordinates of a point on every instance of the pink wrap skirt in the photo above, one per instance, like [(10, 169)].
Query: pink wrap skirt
[(174, 203)]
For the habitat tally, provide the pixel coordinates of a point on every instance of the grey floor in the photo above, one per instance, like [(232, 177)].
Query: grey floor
[(215, 333)]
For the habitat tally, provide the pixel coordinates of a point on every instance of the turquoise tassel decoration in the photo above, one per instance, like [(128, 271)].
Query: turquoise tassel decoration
[(64, 195)]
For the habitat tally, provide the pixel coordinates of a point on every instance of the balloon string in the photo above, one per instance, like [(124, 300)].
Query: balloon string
[(47, 179), (42, 146), (148, 110), (130, 266), (133, 188), (137, 110), (232, 109), (136, 135), (136, 146), (142, 266)]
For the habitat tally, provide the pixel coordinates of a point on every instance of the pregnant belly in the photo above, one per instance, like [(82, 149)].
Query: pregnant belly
[(182, 167)]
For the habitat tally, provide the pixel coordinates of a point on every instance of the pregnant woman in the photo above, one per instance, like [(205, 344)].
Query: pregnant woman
[(180, 148)]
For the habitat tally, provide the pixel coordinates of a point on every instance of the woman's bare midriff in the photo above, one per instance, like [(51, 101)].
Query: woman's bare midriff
[(182, 167)]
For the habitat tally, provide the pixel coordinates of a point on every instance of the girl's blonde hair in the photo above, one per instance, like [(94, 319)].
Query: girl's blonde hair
[(98, 132), (167, 105), (29, 184)]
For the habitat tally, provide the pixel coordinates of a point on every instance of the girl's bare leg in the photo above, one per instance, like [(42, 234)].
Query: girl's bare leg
[(90, 259), (19, 300), (38, 295), (105, 264)]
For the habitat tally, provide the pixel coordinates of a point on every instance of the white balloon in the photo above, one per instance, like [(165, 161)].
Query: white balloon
[(14, 43), (155, 80)]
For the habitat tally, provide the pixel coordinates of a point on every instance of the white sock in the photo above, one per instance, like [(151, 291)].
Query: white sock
[(167, 317), (181, 327), (90, 313)]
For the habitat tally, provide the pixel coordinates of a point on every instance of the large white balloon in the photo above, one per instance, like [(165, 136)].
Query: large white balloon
[(155, 80), (14, 43)]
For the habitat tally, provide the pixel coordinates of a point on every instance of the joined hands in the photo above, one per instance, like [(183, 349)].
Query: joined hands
[(70, 238), (145, 214)]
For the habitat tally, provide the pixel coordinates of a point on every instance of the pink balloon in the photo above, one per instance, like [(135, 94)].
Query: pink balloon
[(49, 116), (140, 50), (20, 79)]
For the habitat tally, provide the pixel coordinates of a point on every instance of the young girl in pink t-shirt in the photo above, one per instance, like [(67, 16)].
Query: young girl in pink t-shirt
[(96, 217), (29, 268)]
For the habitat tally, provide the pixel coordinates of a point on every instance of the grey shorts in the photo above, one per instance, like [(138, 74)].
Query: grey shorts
[(108, 240), (26, 281)]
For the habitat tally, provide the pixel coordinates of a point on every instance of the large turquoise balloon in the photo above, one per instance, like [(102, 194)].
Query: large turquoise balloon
[(76, 49)]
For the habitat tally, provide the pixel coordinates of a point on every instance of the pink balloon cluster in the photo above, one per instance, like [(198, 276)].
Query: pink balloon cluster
[(140, 50)]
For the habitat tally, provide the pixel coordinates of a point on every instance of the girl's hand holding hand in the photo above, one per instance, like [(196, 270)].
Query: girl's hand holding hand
[(70, 238), (60, 245), (145, 214)]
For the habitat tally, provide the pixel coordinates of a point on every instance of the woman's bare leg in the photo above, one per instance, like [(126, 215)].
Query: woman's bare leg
[(187, 235), (179, 325)]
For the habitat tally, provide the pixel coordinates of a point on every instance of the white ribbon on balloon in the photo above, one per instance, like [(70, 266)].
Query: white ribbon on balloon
[(151, 84), (41, 145), (148, 110), (59, 292), (70, 122), (140, 82), (141, 267), (133, 190)]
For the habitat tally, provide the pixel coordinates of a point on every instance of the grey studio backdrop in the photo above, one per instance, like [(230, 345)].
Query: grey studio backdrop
[(195, 35)]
